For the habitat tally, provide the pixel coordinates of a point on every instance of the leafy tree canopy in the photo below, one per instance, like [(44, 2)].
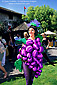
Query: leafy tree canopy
[(44, 14)]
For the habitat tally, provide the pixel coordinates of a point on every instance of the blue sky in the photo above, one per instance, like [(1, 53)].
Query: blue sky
[(18, 5)]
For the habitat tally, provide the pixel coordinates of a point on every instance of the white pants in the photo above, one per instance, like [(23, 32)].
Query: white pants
[(3, 60)]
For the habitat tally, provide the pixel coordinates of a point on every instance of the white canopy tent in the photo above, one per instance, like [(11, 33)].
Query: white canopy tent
[(49, 33)]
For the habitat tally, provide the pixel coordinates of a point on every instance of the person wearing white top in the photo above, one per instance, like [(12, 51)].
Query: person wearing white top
[(4, 57), (17, 46), (2, 50)]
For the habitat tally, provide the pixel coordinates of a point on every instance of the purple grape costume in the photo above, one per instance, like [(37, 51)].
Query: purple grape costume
[(31, 54)]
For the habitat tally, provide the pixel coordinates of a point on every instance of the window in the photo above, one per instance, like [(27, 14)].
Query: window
[(11, 17)]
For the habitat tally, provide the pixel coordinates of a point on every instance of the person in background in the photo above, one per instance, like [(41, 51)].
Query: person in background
[(2, 50), (26, 35), (4, 57), (11, 48), (53, 41), (22, 40), (45, 43), (45, 40), (17, 46), (17, 37)]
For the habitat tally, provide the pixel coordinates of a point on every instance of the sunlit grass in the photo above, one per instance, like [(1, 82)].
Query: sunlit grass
[(48, 77)]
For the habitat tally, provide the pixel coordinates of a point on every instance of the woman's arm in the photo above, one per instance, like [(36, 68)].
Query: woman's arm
[(48, 45), (18, 41), (9, 43), (23, 40)]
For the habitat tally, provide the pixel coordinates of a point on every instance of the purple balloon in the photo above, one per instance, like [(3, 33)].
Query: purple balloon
[(23, 52), (34, 53), (24, 46), (39, 56), (36, 76), (35, 59), (35, 46), (39, 43), (38, 39), (25, 58), (28, 63), (37, 72), (19, 56), (29, 60), (29, 42), (34, 41), (40, 71), (33, 63), (38, 68), (25, 63), (40, 65), (40, 60), (29, 55), (34, 69), (30, 67), (20, 50), (29, 48), (41, 49)]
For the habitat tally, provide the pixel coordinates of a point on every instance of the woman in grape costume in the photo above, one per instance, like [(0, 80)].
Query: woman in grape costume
[(31, 54)]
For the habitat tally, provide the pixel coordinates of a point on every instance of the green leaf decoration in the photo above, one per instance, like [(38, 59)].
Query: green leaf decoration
[(33, 24), (18, 65)]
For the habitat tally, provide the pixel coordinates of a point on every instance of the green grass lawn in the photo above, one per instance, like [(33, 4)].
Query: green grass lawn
[(48, 77)]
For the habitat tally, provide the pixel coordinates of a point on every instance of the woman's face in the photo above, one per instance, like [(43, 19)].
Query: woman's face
[(25, 36), (31, 31)]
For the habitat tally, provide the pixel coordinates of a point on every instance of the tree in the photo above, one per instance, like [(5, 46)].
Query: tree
[(30, 14), (16, 23), (45, 15), (3, 27)]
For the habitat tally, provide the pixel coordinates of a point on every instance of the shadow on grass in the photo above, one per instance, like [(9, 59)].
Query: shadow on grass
[(12, 77), (52, 59)]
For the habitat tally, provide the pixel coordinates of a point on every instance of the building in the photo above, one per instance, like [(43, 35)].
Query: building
[(9, 16)]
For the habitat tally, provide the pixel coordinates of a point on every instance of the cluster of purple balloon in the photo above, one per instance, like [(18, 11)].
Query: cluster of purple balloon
[(31, 53)]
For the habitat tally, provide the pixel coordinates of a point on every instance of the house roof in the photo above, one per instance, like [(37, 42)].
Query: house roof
[(4, 10), (23, 26)]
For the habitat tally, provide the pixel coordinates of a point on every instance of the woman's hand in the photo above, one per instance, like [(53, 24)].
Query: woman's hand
[(46, 47)]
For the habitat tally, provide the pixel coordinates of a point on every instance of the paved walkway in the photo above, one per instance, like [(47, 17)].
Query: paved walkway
[(12, 72)]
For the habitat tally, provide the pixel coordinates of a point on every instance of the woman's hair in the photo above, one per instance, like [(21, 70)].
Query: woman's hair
[(35, 28)]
